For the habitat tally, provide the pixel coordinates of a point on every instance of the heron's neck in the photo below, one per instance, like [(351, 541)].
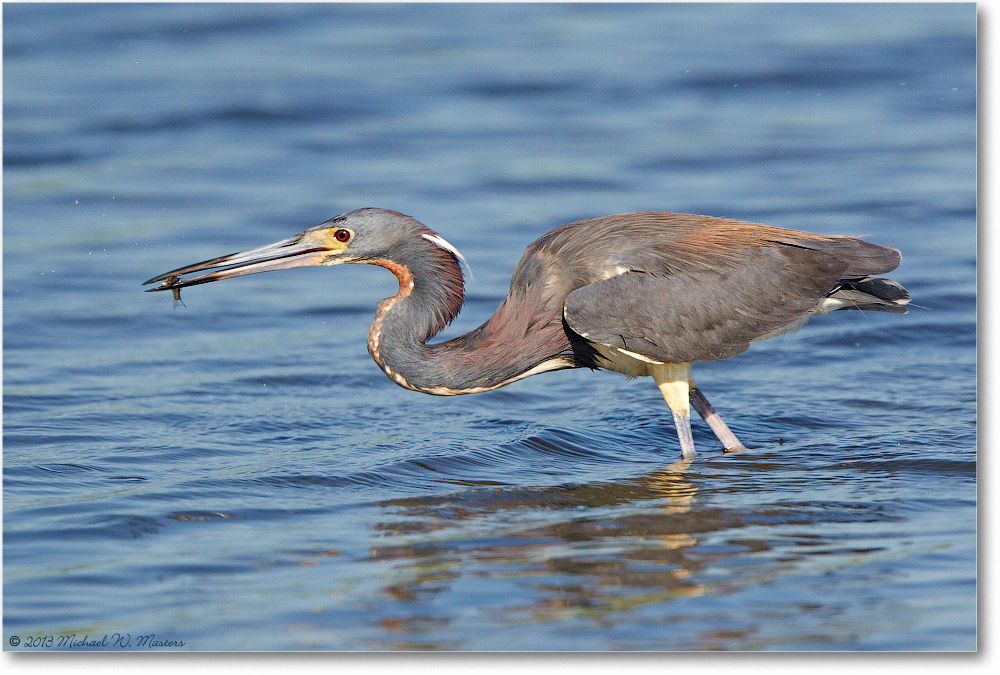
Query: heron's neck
[(521, 338)]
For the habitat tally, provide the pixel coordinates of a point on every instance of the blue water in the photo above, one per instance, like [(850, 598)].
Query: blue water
[(236, 474)]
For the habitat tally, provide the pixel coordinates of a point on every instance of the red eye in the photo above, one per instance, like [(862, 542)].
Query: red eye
[(343, 236)]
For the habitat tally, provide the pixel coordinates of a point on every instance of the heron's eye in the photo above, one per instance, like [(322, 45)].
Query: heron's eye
[(343, 236)]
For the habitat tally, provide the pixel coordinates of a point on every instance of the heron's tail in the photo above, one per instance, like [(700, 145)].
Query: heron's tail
[(866, 293)]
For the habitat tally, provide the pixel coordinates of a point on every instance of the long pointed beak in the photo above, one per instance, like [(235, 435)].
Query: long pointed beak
[(302, 250)]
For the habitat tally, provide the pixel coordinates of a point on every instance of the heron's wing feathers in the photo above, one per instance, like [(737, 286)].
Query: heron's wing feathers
[(705, 313), (863, 258)]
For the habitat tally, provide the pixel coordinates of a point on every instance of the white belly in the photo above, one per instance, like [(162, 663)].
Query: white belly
[(625, 362)]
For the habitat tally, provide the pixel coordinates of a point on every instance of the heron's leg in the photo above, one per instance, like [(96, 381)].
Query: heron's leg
[(674, 381), (715, 423)]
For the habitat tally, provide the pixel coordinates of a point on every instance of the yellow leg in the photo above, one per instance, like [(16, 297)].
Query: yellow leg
[(674, 381)]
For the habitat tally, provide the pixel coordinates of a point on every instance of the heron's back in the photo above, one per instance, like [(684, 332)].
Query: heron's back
[(680, 287)]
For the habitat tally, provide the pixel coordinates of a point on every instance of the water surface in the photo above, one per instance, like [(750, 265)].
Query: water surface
[(236, 474)]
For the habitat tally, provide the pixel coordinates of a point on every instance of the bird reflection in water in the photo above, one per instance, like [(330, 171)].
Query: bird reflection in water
[(587, 566)]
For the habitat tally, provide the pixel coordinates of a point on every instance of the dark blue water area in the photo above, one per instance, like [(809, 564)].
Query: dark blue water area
[(236, 474)]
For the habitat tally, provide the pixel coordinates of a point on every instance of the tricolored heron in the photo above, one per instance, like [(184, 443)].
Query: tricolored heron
[(643, 294)]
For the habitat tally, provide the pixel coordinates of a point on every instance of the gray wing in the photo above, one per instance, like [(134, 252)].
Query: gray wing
[(708, 313)]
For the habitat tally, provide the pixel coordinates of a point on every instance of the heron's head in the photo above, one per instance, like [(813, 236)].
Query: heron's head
[(363, 236)]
